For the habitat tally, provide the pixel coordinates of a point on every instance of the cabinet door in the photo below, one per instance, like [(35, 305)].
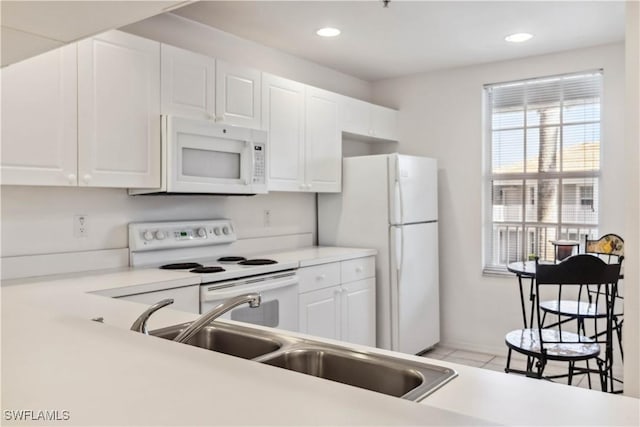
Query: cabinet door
[(358, 312), (355, 116), (320, 312), (188, 83), (384, 123), (323, 142), (39, 120), (283, 118), (119, 111), (238, 95)]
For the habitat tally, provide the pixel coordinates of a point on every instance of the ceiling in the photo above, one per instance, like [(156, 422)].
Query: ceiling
[(33, 27), (413, 36)]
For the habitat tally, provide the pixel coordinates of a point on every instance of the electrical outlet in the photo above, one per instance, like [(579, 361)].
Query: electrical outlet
[(267, 218), (80, 226)]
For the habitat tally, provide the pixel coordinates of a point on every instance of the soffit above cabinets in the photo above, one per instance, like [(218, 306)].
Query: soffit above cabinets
[(33, 27)]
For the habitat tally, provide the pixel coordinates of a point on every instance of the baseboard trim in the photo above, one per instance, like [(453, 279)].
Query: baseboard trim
[(475, 347)]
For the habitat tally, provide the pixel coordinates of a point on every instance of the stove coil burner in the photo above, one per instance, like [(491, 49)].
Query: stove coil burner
[(232, 259), (181, 266), (213, 269), (258, 261)]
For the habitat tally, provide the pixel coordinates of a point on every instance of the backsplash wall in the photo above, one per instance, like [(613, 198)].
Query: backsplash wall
[(39, 220)]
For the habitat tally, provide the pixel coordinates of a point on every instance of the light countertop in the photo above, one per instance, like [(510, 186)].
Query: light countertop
[(55, 358)]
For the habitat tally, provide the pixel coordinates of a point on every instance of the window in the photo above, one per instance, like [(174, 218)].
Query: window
[(543, 148)]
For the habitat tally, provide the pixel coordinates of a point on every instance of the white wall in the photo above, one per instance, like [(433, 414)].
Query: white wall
[(631, 330), (441, 117), (39, 220), (187, 34)]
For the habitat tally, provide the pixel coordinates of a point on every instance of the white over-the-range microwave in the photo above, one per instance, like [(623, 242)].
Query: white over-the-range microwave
[(201, 157)]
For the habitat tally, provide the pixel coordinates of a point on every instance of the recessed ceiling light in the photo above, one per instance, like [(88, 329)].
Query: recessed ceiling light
[(328, 32), (518, 37)]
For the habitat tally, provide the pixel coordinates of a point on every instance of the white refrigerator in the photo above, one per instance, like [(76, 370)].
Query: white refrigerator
[(390, 203)]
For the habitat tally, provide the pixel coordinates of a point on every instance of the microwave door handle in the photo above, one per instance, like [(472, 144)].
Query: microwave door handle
[(215, 295), (252, 167)]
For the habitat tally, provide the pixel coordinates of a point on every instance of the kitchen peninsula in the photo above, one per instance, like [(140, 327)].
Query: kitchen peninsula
[(106, 374)]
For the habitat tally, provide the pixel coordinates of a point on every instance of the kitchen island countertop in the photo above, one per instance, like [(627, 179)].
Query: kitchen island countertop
[(55, 358)]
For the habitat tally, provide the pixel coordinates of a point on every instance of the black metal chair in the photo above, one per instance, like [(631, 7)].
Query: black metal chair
[(609, 248), (569, 343)]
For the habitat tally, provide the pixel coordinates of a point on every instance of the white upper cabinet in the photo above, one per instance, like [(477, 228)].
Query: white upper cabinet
[(384, 123), (323, 141), (119, 111), (283, 118), (356, 116), (188, 83), (39, 120), (368, 120), (238, 95)]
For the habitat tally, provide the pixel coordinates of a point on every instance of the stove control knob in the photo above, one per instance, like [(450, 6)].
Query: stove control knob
[(202, 232), (147, 235), (217, 231), (226, 230), (160, 235)]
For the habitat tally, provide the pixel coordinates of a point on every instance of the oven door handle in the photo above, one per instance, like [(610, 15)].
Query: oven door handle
[(222, 294)]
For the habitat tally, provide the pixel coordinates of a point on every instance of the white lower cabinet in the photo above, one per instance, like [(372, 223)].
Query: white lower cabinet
[(320, 313), (331, 307)]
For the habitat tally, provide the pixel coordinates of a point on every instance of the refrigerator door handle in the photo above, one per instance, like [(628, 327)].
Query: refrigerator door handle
[(399, 200), (398, 203), (399, 254)]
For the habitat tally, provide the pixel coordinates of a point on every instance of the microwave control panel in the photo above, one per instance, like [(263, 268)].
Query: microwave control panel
[(259, 171)]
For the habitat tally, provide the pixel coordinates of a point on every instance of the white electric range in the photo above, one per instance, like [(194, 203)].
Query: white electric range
[(205, 248)]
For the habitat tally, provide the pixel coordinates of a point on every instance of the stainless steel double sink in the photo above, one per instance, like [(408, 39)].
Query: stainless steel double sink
[(384, 374)]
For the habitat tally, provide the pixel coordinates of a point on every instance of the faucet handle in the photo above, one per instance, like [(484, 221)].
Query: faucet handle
[(140, 325)]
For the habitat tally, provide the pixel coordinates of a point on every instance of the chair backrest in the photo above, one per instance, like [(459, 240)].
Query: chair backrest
[(609, 245), (572, 275)]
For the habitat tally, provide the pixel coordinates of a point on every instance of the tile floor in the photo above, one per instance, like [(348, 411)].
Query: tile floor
[(498, 363)]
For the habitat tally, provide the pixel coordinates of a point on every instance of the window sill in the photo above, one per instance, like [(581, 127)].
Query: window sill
[(496, 272)]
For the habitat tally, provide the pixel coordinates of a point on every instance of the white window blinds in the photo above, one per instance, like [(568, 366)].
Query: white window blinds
[(544, 161)]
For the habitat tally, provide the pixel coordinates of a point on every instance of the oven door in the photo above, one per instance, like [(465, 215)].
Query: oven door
[(278, 308), (204, 157)]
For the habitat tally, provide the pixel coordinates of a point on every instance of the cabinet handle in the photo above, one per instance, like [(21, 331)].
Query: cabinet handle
[(321, 277), (71, 178), (86, 178), (358, 269)]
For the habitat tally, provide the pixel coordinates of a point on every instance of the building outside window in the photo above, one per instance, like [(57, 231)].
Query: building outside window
[(542, 181)]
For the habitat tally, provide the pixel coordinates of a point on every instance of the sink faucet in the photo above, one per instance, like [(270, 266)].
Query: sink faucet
[(253, 299), (140, 325)]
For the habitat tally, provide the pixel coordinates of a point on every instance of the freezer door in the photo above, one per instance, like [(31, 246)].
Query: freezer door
[(413, 186), (415, 303)]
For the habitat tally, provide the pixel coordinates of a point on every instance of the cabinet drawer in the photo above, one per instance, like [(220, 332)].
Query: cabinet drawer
[(319, 276), (357, 269)]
